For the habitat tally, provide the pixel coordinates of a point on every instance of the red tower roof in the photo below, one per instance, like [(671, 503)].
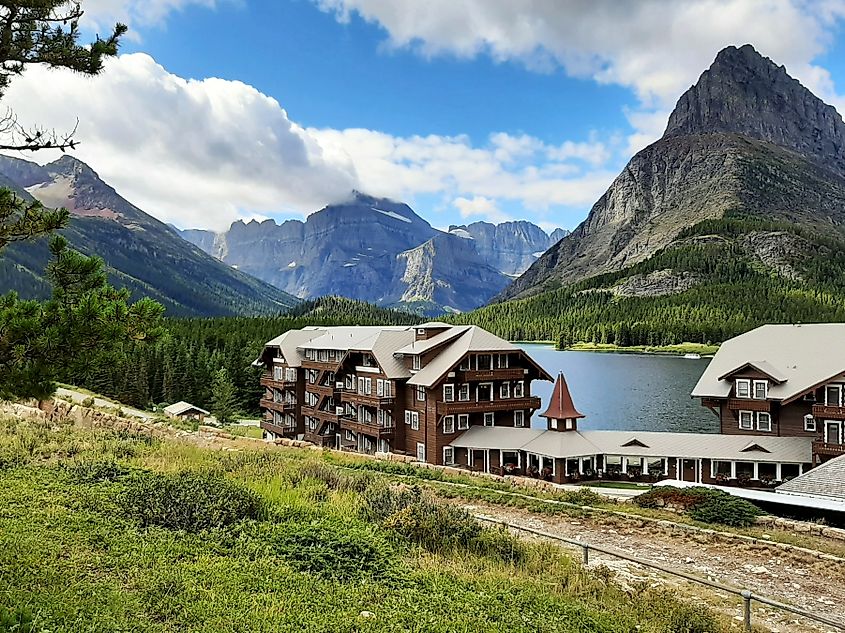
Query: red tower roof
[(561, 407)]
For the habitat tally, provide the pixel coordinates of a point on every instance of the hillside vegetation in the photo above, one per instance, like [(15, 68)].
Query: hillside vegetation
[(182, 364), (112, 531), (719, 278)]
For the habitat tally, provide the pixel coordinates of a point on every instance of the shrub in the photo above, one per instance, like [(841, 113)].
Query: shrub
[(584, 496), (16, 621), (326, 547), (188, 501), (708, 505), (94, 471), (88, 402)]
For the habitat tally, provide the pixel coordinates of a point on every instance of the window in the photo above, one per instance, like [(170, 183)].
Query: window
[(448, 393), (278, 372), (505, 390), (408, 417), (761, 389), (553, 423), (380, 388), (809, 423), (484, 362), (570, 424), (416, 363), (833, 395), (519, 418), (489, 418), (464, 365), (448, 455), (420, 393), (764, 421), (290, 374), (810, 397), (350, 436), (463, 422), (518, 389), (502, 361), (420, 452), (484, 392), (449, 424), (463, 392), (746, 420), (415, 420), (360, 384), (368, 386), (743, 388)]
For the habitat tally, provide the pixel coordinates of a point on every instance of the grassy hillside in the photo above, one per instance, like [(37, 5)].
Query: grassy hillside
[(735, 273), (105, 531)]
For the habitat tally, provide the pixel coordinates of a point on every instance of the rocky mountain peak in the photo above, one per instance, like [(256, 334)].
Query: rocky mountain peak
[(745, 93), (67, 165)]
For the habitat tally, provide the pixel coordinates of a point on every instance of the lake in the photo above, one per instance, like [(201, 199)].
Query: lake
[(646, 392)]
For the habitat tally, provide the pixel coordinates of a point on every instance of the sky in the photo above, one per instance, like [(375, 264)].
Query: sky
[(495, 110)]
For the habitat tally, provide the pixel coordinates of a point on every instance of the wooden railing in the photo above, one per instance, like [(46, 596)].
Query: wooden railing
[(824, 411), (470, 375), (507, 404), (749, 404), (370, 399), (828, 450), (276, 428), (268, 403), (366, 429), (331, 416), (267, 380)]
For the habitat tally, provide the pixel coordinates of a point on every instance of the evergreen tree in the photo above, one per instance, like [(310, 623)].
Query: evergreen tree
[(223, 398)]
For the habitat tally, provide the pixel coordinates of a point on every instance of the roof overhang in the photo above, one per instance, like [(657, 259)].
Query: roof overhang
[(764, 368)]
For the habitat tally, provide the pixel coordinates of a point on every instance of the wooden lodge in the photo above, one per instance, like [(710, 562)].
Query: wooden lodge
[(409, 390)]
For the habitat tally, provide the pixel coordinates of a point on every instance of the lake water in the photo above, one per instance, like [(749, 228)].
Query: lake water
[(644, 392)]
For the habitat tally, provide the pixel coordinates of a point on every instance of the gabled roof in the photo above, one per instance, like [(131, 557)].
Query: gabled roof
[(764, 367), (178, 408), (560, 405), (472, 339), (801, 357), (421, 347), (574, 444), (825, 480), (289, 342)]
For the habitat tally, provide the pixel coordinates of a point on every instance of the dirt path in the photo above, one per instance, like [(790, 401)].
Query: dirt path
[(812, 584)]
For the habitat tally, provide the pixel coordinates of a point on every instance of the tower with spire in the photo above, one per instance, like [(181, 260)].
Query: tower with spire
[(561, 414)]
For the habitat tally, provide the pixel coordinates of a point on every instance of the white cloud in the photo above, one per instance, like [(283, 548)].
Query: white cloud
[(654, 47), (196, 153), (102, 14), (202, 153)]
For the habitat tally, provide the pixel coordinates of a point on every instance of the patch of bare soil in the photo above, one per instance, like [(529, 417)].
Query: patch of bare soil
[(800, 580)]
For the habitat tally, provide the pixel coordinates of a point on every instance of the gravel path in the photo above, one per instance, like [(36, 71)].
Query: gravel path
[(790, 577)]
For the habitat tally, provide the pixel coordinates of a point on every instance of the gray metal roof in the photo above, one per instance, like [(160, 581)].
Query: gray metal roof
[(802, 356), (825, 480), (289, 342), (178, 408), (571, 444)]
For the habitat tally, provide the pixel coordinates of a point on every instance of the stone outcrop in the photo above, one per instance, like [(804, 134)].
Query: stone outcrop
[(746, 138)]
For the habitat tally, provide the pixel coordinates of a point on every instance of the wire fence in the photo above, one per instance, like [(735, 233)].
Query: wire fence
[(748, 597)]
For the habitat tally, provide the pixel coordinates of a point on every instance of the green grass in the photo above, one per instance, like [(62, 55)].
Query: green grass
[(679, 349), (242, 430), (111, 531), (624, 485)]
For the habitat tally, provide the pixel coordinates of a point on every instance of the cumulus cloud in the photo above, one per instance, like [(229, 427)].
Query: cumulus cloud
[(202, 153), (102, 14), (197, 153), (654, 47)]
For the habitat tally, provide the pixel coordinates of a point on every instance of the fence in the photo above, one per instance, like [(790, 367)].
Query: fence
[(748, 597)]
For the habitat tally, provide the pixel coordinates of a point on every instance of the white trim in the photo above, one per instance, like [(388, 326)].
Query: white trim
[(421, 447), (451, 419), (810, 423), (492, 391), (463, 417), (451, 389), (760, 415), (750, 426), (492, 418), (838, 388), (521, 423), (447, 461), (742, 381), (754, 386)]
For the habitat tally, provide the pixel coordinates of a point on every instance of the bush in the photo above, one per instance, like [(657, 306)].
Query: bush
[(702, 504), (325, 547), (16, 621), (88, 402), (188, 501), (94, 471)]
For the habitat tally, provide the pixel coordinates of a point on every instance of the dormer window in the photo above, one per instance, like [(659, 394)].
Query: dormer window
[(743, 388), (761, 389)]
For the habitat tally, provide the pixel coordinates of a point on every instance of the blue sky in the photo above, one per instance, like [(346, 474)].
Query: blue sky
[(466, 109)]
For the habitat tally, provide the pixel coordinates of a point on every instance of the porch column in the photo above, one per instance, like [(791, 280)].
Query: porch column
[(733, 470), (644, 465), (700, 470), (800, 469), (565, 467), (666, 466), (580, 465), (624, 465), (757, 471), (777, 471), (519, 459)]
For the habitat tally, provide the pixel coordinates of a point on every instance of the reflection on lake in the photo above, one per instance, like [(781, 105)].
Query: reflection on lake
[(644, 392)]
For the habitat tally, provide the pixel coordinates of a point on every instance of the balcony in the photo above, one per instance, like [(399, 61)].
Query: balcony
[(327, 416), (372, 400), (749, 404), (476, 375), (509, 404), (828, 450), (328, 365), (323, 390), (277, 429), (282, 407), (267, 380), (348, 424), (821, 411)]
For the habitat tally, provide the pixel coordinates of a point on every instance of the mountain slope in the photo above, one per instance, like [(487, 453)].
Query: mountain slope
[(747, 137), (380, 251), (140, 252)]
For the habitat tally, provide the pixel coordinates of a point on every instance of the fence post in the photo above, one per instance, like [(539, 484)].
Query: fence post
[(586, 555), (746, 606)]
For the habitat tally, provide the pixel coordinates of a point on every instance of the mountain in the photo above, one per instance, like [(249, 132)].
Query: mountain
[(380, 251), (140, 252), (734, 218), (510, 247), (747, 139)]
